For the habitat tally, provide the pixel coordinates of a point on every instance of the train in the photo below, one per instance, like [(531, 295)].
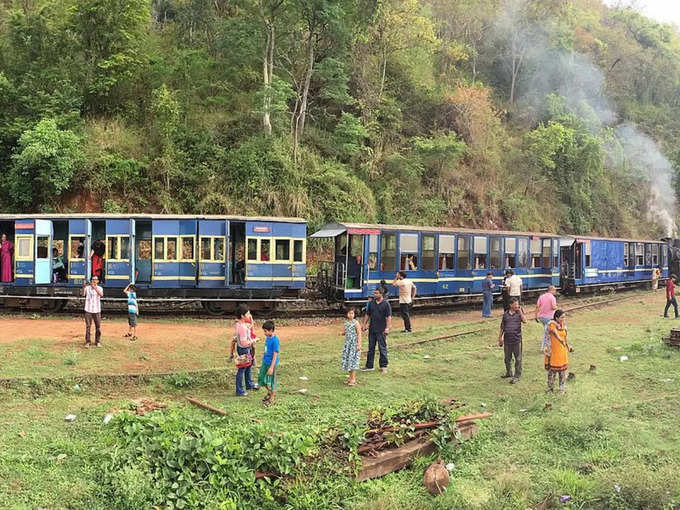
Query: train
[(221, 261)]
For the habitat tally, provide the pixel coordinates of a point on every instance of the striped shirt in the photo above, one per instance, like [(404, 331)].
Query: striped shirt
[(132, 303), (93, 300)]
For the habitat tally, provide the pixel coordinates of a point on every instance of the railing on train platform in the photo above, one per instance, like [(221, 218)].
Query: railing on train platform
[(331, 277)]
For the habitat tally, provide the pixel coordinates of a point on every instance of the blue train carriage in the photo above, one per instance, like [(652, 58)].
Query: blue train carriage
[(219, 260), (441, 261), (591, 262)]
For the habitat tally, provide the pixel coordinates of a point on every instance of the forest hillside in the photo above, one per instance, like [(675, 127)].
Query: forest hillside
[(552, 115)]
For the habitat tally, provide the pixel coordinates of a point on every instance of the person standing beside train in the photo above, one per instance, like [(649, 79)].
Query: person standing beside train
[(487, 294), (380, 315), (670, 296), (407, 291), (545, 308), (93, 310), (514, 285), (510, 338)]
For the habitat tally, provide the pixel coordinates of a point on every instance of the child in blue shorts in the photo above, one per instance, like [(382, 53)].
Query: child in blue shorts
[(133, 312), (270, 362)]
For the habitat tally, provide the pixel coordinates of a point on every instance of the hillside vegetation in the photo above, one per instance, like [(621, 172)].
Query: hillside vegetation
[(524, 114)]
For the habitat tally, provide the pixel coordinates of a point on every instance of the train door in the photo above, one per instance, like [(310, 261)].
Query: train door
[(355, 262), (480, 262), (143, 251), (77, 232), (24, 252), (578, 261), (132, 255), (264, 262), (187, 253), (43, 249), (212, 253), (464, 263), (496, 259), (88, 248), (446, 270), (165, 256), (117, 261)]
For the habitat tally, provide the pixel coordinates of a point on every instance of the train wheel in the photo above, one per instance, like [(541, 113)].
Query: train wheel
[(53, 305), (213, 307)]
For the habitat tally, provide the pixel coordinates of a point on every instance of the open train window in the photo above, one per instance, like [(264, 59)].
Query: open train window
[(265, 250), (388, 252), (639, 254), (159, 248), (112, 248), (463, 252), (626, 259), (372, 252), (535, 253), (522, 251), (187, 254), (408, 248), (546, 253), (76, 248), (298, 250), (587, 249), (171, 248), (510, 252), (118, 248), (252, 250), (480, 252), (495, 251), (43, 247), (648, 254), (556, 252), (428, 262), (206, 247), (655, 255), (447, 246), (282, 249)]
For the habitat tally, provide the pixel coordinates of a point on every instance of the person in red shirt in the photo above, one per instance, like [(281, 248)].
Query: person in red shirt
[(670, 296)]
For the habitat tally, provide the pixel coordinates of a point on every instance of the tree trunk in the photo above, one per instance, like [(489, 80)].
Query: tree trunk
[(267, 79), (302, 114)]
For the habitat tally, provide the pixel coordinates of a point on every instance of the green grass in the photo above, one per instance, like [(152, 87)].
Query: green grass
[(612, 442)]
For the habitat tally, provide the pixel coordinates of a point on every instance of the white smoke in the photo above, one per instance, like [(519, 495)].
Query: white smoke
[(549, 69)]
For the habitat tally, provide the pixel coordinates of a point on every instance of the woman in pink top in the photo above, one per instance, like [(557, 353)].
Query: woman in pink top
[(6, 252), (244, 342), (545, 308)]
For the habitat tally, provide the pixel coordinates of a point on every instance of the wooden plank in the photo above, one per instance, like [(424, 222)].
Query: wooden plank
[(395, 459), (207, 407)]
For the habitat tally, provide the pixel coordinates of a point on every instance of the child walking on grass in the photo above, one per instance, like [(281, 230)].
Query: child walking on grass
[(270, 361), (351, 352), (133, 312)]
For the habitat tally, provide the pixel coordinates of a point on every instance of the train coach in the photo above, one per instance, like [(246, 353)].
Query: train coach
[(452, 262), (218, 260)]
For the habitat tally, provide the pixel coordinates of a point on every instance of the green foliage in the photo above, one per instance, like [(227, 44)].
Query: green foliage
[(43, 166), (180, 380)]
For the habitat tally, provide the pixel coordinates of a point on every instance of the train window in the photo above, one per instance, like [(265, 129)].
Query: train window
[(408, 246), (625, 255), (76, 248), (124, 248), (282, 249), (187, 251), (546, 252), (159, 248), (587, 250), (112, 250), (664, 263), (43, 247), (535, 253), (218, 249), (58, 244), (640, 254), (388, 252), (480, 252), (510, 252), (428, 262), (463, 252), (24, 247), (171, 248), (144, 249), (655, 255), (556, 253), (446, 250), (265, 250), (522, 252), (372, 251), (648, 254), (206, 246), (356, 245), (298, 250), (495, 259), (252, 250)]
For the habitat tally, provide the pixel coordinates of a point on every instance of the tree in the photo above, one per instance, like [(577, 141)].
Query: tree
[(42, 168)]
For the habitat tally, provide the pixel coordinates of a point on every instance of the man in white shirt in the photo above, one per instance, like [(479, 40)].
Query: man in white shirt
[(514, 286), (93, 310), (407, 291)]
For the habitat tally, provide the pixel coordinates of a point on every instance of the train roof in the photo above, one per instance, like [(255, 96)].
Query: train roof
[(104, 216), (333, 229)]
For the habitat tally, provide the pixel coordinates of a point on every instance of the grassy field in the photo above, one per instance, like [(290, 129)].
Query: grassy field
[(612, 441)]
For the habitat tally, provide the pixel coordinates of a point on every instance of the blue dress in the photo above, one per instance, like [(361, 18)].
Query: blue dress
[(351, 357)]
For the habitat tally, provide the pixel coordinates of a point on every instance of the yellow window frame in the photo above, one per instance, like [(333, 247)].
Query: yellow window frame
[(31, 250), (180, 248), (70, 243), (290, 249), (304, 251), (212, 249), (165, 249), (118, 250), (258, 257)]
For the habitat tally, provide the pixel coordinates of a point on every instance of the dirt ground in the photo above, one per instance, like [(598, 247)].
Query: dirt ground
[(35, 342)]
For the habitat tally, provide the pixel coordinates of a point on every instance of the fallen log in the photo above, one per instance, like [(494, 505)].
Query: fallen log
[(387, 461), (207, 407)]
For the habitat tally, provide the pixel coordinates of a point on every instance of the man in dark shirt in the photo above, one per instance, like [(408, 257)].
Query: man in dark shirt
[(510, 338), (380, 314)]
